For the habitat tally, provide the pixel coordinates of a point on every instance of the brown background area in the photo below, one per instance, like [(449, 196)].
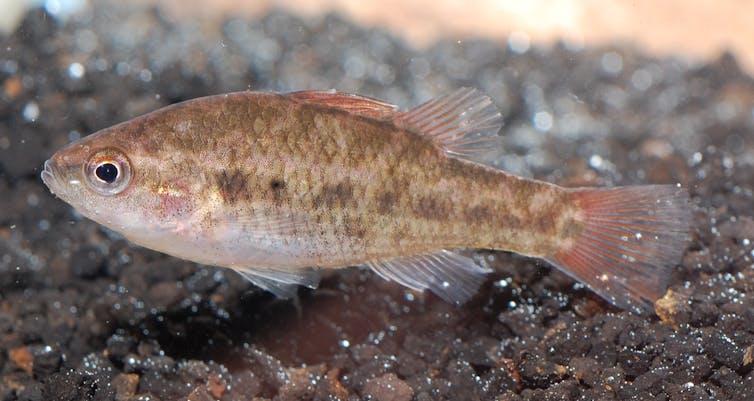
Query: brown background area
[(697, 29)]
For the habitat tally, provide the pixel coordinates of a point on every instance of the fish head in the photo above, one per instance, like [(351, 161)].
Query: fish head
[(109, 177)]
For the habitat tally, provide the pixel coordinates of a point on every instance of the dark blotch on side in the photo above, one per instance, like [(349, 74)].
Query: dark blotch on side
[(277, 189), (354, 228), (276, 184), (545, 223), (233, 186), (482, 214), (510, 222), (431, 208), (385, 202), (338, 195)]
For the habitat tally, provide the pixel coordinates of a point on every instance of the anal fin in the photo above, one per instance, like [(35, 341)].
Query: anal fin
[(451, 276), (281, 283)]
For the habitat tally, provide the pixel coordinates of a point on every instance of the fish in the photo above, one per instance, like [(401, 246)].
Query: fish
[(283, 186)]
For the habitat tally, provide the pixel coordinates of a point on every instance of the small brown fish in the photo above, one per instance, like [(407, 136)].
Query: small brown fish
[(280, 186)]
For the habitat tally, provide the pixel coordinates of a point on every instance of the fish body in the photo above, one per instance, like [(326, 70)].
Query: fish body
[(280, 186)]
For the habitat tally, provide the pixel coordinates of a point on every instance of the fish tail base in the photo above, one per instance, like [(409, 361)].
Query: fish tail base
[(626, 241)]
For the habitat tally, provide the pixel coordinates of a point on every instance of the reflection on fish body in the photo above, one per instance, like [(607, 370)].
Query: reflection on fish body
[(280, 186)]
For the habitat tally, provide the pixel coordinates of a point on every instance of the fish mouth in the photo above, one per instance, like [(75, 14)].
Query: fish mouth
[(49, 175)]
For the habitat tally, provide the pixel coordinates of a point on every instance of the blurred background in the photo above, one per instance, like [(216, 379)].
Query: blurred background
[(697, 29), (593, 93)]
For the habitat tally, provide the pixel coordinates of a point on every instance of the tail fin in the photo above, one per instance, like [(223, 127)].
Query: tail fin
[(629, 240)]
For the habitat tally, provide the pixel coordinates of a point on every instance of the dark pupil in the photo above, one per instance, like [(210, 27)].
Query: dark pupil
[(107, 172)]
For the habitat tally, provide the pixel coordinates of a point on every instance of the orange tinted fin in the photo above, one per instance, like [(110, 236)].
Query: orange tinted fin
[(464, 123), (361, 105), (626, 241)]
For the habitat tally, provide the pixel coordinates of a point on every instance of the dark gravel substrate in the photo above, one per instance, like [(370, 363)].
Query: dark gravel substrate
[(84, 315)]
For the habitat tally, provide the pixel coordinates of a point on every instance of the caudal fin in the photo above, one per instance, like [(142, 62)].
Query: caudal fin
[(626, 241)]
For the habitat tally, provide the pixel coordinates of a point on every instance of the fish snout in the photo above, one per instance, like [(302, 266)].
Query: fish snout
[(50, 175)]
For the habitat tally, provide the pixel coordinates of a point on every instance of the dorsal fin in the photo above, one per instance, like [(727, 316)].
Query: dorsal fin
[(361, 105), (464, 123)]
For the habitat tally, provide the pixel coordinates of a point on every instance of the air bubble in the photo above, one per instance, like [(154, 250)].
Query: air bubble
[(728, 162), (641, 79), (595, 161), (612, 63), (64, 8), (542, 121), (354, 67), (76, 71), (519, 42), (145, 75), (122, 68), (31, 111)]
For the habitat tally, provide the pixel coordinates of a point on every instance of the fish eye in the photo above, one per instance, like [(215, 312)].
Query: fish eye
[(108, 172)]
